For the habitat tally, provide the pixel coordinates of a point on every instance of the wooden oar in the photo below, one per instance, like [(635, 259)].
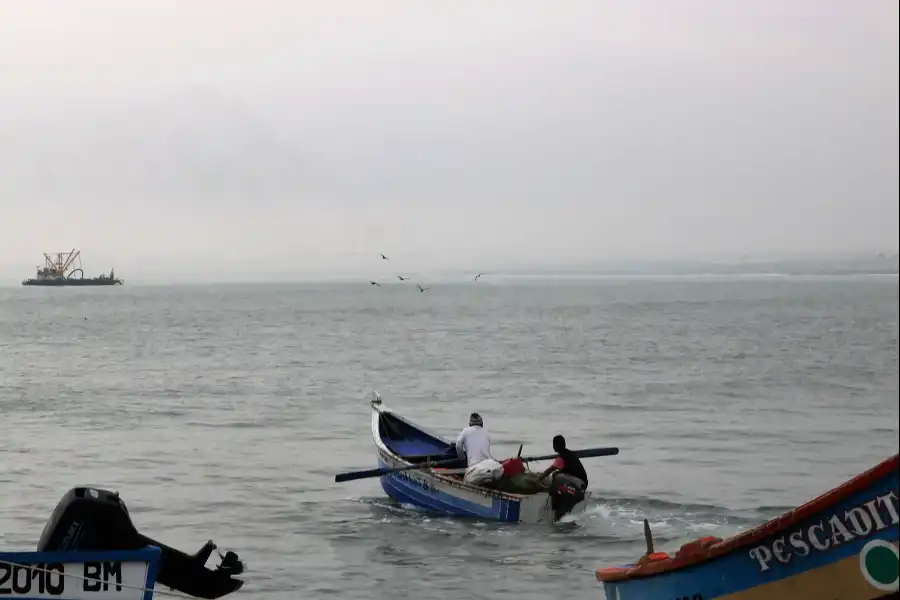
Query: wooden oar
[(379, 472), (587, 453)]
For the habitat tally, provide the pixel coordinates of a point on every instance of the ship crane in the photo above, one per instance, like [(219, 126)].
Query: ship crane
[(59, 266)]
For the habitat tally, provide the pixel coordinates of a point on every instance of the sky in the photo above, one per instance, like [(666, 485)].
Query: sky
[(235, 138)]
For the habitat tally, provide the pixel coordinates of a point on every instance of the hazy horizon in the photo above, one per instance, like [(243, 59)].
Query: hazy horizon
[(299, 138), (154, 273)]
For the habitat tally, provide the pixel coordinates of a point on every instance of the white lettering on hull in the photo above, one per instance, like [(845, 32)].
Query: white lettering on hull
[(857, 522)]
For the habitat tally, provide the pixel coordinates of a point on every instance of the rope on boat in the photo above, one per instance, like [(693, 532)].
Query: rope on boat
[(83, 578)]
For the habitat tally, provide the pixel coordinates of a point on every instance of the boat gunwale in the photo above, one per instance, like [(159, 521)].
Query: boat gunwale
[(723, 547), (444, 479)]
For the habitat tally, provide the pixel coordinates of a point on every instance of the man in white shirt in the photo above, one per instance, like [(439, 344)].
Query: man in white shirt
[(474, 443)]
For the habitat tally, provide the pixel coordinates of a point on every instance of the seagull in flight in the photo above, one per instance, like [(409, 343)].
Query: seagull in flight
[(384, 257), (375, 283), (421, 289), (477, 276), (402, 278)]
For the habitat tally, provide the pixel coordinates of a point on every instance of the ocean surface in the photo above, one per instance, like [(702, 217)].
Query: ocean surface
[(224, 412)]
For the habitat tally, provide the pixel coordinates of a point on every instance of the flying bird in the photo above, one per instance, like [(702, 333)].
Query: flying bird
[(384, 257), (421, 289), (477, 276), (402, 278), (375, 283)]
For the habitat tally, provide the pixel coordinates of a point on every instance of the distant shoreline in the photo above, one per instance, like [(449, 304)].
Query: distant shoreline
[(688, 272), (456, 279), (880, 266)]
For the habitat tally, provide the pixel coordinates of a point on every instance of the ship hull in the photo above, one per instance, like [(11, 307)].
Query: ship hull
[(70, 282)]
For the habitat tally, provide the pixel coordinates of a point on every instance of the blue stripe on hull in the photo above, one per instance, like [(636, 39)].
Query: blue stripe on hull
[(400, 490)]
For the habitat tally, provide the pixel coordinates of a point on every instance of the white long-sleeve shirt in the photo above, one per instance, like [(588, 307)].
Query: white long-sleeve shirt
[(475, 442)]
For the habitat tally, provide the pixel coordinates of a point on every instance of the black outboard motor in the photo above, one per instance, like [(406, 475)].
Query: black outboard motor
[(565, 492), (92, 519)]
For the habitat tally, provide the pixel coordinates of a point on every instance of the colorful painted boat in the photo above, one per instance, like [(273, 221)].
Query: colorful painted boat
[(401, 443), (842, 545), (90, 550)]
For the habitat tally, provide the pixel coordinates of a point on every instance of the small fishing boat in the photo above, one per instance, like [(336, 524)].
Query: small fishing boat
[(842, 545), (90, 550), (401, 443)]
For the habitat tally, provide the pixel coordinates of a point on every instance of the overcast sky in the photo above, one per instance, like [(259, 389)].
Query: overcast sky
[(294, 136)]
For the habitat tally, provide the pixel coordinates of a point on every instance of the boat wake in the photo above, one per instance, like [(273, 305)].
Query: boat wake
[(372, 529), (614, 520)]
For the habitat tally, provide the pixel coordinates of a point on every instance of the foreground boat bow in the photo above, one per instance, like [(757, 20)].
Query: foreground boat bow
[(842, 545), (90, 549)]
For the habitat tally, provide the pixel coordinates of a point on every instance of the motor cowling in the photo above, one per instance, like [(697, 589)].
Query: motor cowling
[(565, 492), (89, 519), (94, 519)]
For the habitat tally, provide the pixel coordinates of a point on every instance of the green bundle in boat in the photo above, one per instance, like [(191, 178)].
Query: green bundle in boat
[(523, 483)]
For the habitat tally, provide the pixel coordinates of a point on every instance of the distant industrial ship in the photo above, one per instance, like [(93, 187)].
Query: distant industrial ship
[(59, 271)]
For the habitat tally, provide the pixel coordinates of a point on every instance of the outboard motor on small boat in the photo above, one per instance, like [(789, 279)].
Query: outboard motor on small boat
[(92, 519), (565, 493)]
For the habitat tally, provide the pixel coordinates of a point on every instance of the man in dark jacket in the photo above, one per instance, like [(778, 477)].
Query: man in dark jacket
[(566, 462), (569, 481)]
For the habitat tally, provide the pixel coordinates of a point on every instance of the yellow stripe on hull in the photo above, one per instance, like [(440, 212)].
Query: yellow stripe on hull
[(842, 579)]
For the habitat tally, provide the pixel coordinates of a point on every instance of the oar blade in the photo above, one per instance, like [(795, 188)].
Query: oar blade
[(586, 453), (593, 452), (353, 475)]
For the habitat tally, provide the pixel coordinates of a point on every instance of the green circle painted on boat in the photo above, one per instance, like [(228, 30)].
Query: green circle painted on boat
[(882, 565)]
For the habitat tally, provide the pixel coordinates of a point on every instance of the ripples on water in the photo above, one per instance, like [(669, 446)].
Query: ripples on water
[(224, 412)]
